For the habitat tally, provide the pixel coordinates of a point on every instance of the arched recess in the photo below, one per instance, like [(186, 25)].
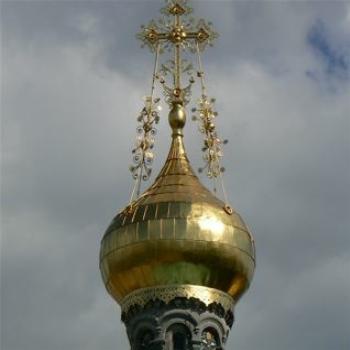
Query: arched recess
[(210, 339), (178, 337), (140, 329), (143, 339), (191, 320), (217, 328)]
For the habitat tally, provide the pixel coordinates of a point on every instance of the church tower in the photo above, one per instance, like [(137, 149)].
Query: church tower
[(178, 258)]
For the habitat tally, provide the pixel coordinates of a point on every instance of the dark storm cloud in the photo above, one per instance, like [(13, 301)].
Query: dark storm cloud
[(73, 78)]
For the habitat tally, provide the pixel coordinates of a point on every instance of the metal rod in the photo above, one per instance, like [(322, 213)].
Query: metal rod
[(201, 72), (139, 182), (155, 70), (177, 80)]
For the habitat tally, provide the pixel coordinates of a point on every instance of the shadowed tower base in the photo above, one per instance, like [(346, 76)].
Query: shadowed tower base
[(181, 324)]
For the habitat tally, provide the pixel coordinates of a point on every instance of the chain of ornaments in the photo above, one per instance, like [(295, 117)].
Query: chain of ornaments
[(143, 151), (205, 115)]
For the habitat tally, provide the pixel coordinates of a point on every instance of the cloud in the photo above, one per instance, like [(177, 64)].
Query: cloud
[(334, 57), (73, 78)]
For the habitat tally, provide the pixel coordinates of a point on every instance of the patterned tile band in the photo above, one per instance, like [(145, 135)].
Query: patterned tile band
[(208, 296)]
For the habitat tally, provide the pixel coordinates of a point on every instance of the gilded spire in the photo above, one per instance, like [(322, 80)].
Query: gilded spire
[(177, 259), (177, 180), (178, 33)]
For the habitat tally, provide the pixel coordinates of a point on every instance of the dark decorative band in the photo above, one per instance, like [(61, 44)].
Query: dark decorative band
[(160, 300), (165, 294)]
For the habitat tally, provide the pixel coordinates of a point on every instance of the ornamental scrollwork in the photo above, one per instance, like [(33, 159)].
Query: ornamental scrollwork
[(205, 115), (143, 151)]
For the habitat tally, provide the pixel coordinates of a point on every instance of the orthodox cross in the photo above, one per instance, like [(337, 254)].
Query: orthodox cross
[(177, 31)]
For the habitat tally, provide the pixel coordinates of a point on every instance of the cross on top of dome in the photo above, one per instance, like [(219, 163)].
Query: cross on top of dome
[(177, 31), (177, 28)]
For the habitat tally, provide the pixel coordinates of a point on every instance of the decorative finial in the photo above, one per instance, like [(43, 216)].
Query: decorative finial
[(177, 33)]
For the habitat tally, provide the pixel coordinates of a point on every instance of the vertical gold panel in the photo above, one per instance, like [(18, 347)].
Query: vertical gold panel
[(168, 229)]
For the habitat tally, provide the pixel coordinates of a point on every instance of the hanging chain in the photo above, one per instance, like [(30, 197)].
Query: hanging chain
[(212, 148), (143, 151)]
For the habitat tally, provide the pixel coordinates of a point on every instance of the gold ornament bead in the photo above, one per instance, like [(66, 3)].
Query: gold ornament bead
[(177, 117)]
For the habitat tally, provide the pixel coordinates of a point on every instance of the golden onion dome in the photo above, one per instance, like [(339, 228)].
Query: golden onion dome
[(177, 238)]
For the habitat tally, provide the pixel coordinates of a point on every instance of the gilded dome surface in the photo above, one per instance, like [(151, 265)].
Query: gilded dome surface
[(177, 234)]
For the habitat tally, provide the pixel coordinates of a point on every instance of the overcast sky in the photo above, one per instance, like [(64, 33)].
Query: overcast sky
[(73, 77)]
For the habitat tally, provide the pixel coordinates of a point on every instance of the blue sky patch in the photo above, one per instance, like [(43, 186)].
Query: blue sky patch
[(333, 55)]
